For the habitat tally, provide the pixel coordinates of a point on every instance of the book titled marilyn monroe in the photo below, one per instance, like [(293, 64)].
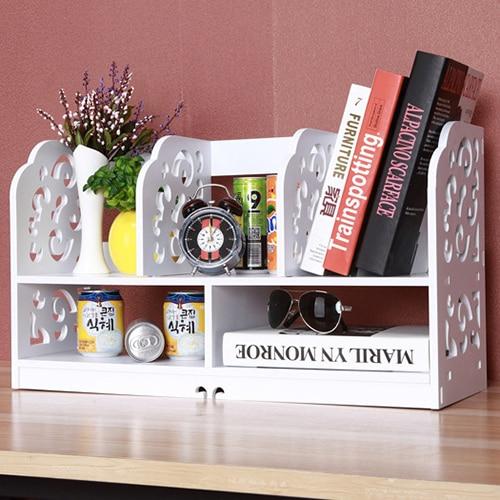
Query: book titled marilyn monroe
[(400, 348)]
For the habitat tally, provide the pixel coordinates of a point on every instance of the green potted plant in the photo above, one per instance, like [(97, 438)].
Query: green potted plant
[(117, 182), (105, 127)]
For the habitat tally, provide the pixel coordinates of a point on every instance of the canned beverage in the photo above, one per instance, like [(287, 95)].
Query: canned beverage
[(184, 324), (272, 235), (251, 193), (100, 323), (144, 341)]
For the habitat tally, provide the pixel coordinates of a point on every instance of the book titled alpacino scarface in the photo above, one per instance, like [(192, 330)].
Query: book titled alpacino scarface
[(400, 348)]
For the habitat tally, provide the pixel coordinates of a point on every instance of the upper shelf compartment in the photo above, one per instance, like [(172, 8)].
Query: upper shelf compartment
[(45, 213), (179, 165)]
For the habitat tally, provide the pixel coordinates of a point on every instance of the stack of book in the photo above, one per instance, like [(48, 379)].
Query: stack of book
[(375, 193)]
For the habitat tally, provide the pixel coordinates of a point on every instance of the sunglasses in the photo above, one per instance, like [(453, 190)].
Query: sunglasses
[(320, 311)]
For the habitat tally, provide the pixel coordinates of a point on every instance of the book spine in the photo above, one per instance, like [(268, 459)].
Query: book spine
[(367, 157), (316, 352), (336, 176), (431, 99)]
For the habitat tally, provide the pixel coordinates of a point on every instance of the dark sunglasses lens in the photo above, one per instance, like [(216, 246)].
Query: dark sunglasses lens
[(278, 307), (319, 311)]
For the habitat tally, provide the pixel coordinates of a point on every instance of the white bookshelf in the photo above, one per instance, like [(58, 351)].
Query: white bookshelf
[(44, 226)]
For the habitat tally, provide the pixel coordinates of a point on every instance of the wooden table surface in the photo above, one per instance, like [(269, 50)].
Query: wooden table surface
[(277, 449)]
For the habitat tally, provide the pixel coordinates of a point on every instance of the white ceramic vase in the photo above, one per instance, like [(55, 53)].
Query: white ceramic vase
[(91, 261)]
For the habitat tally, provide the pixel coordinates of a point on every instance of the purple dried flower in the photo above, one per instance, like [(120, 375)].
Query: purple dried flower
[(125, 78), (103, 118), (64, 102), (138, 110), (165, 126), (86, 81), (113, 71)]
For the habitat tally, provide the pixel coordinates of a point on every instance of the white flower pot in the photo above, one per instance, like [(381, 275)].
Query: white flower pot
[(91, 261)]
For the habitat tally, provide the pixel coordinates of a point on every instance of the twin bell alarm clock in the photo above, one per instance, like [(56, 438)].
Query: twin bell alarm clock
[(211, 238)]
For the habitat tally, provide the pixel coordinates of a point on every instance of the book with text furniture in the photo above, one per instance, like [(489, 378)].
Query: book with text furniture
[(375, 132), (335, 181)]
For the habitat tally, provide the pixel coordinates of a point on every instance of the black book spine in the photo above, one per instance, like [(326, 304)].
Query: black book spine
[(431, 99)]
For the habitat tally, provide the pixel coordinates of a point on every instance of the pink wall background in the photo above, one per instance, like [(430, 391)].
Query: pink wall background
[(245, 68)]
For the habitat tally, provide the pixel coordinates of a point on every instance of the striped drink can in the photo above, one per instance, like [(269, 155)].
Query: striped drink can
[(100, 322), (251, 194), (272, 235), (184, 325)]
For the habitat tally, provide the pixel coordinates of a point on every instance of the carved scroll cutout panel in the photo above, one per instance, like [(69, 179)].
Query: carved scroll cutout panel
[(47, 226), (300, 186), (459, 252), (177, 167), (46, 319)]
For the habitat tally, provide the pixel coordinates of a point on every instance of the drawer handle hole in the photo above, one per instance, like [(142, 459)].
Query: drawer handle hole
[(217, 390), (201, 389)]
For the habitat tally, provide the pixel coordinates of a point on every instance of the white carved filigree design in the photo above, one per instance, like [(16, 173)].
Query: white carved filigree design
[(301, 185), (459, 252), (177, 167), (46, 232), (46, 319)]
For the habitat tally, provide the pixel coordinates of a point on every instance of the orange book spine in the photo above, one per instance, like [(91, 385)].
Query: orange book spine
[(375, 130)]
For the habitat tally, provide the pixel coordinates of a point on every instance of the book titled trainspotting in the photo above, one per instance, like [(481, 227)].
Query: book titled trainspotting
[(335, 180), (375, 130)]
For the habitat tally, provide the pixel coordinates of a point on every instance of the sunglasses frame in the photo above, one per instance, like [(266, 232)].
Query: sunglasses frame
[(291, 315)]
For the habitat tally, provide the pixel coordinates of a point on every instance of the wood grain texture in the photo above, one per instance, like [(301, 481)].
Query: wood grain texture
[(281, 449), (278, 482)]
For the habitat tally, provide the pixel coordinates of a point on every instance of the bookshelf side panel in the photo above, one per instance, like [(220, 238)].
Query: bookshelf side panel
[(299, 190), (177, 167), (45, 213), (46, 319), (457, 310)]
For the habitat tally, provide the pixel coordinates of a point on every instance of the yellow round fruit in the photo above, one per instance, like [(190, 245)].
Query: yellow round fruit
[(122, 242)]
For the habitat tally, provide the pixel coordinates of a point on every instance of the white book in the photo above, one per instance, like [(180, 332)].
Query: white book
[(400, 348), (335, 181)]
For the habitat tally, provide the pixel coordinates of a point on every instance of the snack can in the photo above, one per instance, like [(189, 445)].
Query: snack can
[(251, 193), (272, 235), (184, 325), (144, 341), (100, 323)]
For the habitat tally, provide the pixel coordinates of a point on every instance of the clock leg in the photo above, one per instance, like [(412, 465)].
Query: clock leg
[(194, 271), (228, 272)]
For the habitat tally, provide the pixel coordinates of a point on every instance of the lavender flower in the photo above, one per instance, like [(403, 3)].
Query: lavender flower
[(113, 72), (106, 120), (86, 81)]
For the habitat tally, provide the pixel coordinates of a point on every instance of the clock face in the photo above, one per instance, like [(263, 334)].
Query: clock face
[(211, 240)]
